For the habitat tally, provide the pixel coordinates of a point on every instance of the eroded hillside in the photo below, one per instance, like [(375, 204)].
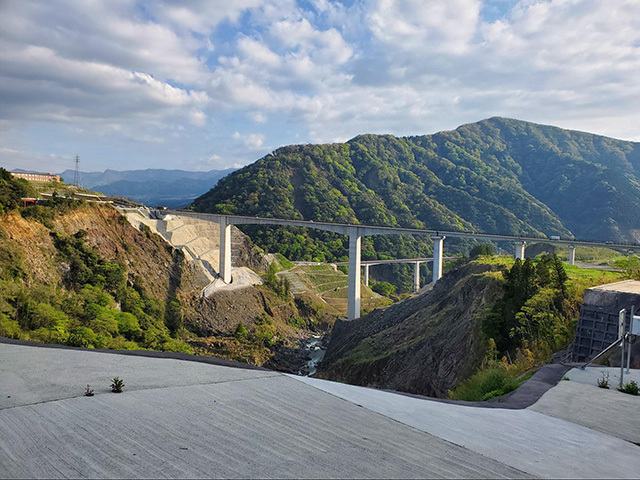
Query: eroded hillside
[(425, 344), (80, 274)]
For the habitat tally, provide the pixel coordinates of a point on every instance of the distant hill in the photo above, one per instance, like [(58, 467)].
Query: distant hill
[(172, 188), (497, 175)]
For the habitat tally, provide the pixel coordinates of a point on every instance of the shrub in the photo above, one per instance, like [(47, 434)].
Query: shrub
[(385, 289), (173, 345), (631, 388), (485, 384), (82, 337), (128, 325), (9, 328), (603, 382), (482, 249), (117, 384), (241, 332)]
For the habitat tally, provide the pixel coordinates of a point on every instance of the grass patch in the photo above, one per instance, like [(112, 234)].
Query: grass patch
[(285, 262), (486, 384)]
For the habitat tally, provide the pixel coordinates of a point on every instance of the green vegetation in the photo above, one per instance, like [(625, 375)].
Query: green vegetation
[(285, 262), (385, 289), (95, 304), (279, 285), (117, 384), (532, 307), (631, 388), (497, 176), (603, 381), (534, 318), (482, 250), (486, 384), (629, 265)]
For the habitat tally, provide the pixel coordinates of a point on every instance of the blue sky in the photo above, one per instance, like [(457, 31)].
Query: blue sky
[(209, 84)]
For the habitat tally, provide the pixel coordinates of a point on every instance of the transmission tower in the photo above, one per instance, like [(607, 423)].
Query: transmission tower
[(77, 180)]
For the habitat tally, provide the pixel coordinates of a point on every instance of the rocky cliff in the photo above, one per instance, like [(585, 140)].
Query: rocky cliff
[(423, 345)]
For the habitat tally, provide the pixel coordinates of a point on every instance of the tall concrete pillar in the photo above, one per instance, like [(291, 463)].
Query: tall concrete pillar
[(437, 256), (520, 250), (225, 250), (355, 246), (416, 278), (366, 274), (572, 254)]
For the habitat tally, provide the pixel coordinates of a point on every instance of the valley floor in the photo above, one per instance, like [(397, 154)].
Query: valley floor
[(185, 419)]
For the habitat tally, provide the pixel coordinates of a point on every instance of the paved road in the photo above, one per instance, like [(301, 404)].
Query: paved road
[(192, 420)]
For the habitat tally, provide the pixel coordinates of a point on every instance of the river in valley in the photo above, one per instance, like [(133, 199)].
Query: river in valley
[(315, 349)]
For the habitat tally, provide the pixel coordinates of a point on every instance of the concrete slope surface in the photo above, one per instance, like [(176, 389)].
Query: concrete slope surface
[(219, 422), (538, 444), (180, 419), (581, 401)]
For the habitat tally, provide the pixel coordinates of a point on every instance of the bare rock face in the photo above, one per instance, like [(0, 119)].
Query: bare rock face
[(423, 345), (221, 312)]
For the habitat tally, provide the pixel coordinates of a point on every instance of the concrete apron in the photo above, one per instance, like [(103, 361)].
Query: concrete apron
[(529, 441)]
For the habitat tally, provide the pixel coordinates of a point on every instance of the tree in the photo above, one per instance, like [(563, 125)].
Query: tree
[(482, 249)]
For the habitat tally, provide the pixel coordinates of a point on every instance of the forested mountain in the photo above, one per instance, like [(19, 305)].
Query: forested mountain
[(498, 176)]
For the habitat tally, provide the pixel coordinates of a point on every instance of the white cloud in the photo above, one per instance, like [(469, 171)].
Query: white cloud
[(428, 25), (164, 71), (197, 118), (252, 141)]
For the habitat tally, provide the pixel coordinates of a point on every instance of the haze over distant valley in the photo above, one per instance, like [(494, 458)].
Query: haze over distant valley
[(152, 187)]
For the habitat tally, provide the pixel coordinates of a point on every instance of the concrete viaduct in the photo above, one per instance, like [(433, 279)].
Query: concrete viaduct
[(416, 262), (355, 234)]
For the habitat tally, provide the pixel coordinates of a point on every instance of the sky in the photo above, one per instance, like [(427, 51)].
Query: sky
[(213, 84)]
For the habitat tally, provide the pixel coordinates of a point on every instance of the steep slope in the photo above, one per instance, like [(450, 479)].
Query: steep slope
[(498, 176), (80, 274), (424, 345)]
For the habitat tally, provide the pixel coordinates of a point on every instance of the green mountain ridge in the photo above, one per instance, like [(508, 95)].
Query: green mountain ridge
[(497, 176)]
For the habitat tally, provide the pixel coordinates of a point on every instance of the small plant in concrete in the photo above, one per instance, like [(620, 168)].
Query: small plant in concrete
[(603, 382), (631, 388), (117, 384), (88, 392)]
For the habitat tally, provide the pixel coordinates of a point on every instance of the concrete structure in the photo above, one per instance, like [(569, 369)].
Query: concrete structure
[(353, 285), (572, 254), (437, 256), (182, 419), (415, 261), (225, 250), (36, 176), (598, 325), (356, 232)]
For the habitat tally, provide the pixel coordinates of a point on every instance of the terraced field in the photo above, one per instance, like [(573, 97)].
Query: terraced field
[(330, 286)]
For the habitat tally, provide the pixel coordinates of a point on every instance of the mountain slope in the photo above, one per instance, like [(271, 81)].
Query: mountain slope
[(498, 176), (173, 188)]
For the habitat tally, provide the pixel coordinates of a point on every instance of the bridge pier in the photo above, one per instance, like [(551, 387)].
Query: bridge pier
[(366, 274), (520, 250), (225, 250), (416, 278), (353, 290), (572, 254), (437, 256)]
